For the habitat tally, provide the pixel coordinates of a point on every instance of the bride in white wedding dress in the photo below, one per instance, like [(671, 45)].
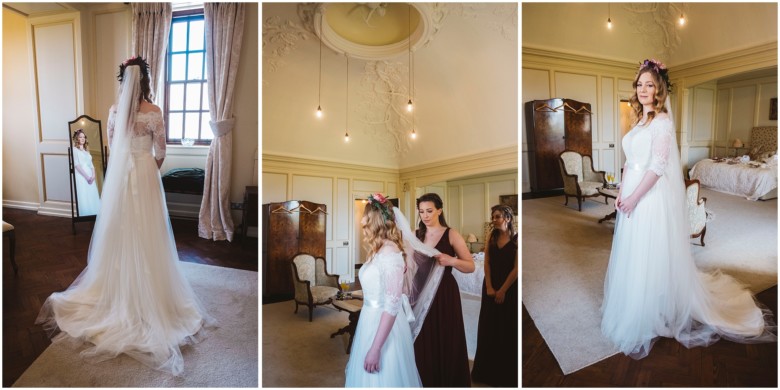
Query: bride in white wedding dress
[(653, 287), (132, 297), (383, 348)]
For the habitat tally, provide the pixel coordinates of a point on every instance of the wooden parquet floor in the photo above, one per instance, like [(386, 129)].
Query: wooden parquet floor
[(723, 364), (50, 257)]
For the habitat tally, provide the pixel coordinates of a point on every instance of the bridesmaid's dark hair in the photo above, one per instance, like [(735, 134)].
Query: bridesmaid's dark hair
[(436, 200), (506, 212)]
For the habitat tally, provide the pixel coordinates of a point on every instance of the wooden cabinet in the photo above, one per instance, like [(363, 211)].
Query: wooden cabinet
[(553, 126), (289, 228)]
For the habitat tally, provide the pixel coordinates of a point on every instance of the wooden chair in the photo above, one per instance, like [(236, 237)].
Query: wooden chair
[(697, 214), (313, 284), (8, 231), (580, 179)]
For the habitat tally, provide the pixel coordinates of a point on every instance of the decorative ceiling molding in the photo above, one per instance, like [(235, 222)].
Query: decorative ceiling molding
[(496, 16), (383, 95), (279, 39), (657, 24)]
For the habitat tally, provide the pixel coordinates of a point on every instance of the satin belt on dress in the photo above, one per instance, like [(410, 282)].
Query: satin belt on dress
[(405, 306), (635, 166)]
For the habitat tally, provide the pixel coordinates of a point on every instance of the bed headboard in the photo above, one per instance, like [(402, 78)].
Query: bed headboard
[(765, 137)]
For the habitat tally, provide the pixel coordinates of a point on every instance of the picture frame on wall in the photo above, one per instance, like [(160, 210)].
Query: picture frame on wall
[(509, 200), (773, 109)]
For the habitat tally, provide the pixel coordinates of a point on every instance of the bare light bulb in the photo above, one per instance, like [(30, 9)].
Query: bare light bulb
[(319, 112), (682, 20), (609, 23), (414, 134), (409, 106), (346, 136)]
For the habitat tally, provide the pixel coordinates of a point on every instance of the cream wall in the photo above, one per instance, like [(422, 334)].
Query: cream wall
[(602, 83), (742, 105), (467, 201), (103, 32), (20, 183)]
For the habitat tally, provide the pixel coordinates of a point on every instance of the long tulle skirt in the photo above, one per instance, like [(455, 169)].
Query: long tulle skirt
[(653, 287), (396, 365), (132, 297)]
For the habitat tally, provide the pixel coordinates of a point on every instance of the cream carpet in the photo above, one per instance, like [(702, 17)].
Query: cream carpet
[(299, 353), (226, 358), (565, 255)]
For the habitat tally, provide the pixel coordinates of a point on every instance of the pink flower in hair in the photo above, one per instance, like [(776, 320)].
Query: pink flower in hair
[(379, 197)]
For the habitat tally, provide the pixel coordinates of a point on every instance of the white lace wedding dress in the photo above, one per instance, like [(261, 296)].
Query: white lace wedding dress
[(653, 287), (132, 298), (88, 197), (382, 280)]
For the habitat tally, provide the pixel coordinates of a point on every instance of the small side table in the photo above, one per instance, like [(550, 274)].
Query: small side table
[(610, 193), (353, 307)]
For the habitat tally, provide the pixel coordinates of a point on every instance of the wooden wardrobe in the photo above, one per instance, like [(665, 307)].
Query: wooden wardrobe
[(553, 126), (289, 228)]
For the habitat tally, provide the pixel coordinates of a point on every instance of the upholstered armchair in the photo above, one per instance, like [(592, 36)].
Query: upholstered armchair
[(580, 179), (696, 212), (313, 284)]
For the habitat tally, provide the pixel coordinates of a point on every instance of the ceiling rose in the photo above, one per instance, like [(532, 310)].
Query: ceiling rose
[(372, 31)]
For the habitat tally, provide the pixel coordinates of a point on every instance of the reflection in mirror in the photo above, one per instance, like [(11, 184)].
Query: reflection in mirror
[(87, 166)]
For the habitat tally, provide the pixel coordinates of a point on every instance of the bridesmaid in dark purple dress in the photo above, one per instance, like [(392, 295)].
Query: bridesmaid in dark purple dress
[(440, 347), (495, 363)]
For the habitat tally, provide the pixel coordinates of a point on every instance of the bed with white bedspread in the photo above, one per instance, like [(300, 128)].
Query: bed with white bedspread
[(753, 177)]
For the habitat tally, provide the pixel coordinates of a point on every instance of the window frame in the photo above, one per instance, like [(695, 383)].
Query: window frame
[(185, 16)]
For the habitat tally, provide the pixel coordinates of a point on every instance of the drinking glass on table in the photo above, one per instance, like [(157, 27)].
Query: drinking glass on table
[(345, 289)]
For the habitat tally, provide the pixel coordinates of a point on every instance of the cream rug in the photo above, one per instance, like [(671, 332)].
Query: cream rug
[(226, 358), (299, 353), (565, 255)]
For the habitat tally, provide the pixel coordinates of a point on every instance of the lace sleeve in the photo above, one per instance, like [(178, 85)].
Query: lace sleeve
[(661, 145), (111, 124), (391, 272), (158, 134)]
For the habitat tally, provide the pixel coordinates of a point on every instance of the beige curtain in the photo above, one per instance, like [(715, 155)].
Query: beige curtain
[(151, 24), (224, 30)]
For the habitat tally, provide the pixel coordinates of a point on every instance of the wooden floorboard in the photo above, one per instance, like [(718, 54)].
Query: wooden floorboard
[(50, 257), (723, 364)]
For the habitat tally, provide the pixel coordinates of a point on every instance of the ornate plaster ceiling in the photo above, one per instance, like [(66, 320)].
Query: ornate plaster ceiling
[(351, 29)]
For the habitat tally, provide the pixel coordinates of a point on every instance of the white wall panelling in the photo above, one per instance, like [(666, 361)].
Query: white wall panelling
[(60, 98)]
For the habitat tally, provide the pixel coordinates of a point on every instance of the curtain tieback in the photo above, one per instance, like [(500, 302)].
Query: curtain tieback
[(223, 127)]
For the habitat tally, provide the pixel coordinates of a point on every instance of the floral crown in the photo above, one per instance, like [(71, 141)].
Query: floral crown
[(378, 200), (657, 67)]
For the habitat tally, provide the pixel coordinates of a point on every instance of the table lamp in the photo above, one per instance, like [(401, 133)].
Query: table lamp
[(471, 239)]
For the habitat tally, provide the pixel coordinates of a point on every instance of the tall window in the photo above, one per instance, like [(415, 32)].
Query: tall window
[(186, 96)]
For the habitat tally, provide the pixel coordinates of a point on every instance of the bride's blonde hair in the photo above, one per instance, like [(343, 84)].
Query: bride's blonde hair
[(380, 226)]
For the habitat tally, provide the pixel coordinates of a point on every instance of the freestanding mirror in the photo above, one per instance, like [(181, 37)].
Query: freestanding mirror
[(87, 166)]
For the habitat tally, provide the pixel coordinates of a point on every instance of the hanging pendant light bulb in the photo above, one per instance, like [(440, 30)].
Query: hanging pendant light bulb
[(319, 88), (409, 105), (682, 19), (609, 23), (346, 131), (609, 16)]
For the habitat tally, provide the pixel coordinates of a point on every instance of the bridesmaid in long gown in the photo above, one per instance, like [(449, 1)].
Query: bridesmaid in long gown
[(440, 347), (653, 288), (495, 363)]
